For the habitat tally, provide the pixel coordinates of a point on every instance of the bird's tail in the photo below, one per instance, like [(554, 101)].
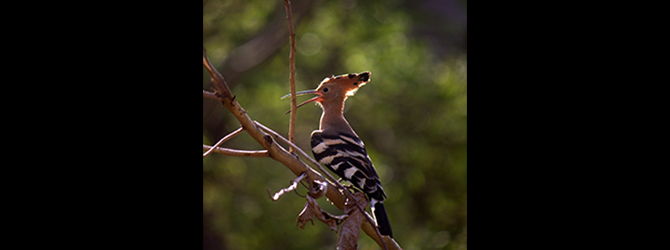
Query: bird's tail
[(379, 212)]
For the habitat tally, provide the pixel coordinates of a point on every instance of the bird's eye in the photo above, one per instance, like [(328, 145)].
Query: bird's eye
[(325, 90), (355, 83)]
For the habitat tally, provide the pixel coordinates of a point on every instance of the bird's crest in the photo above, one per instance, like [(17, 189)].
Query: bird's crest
[(349, 83)]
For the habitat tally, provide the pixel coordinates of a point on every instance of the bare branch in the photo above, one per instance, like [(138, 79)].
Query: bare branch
[(293, 186), (209, 95), (237, 152), (300, 151), (291, 58), (217, 79), (312, 210), (225, 138)]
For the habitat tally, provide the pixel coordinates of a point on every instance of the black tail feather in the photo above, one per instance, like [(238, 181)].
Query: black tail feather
[(382, 219)]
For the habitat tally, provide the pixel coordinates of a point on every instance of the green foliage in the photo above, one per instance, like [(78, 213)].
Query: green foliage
[(412, 117)]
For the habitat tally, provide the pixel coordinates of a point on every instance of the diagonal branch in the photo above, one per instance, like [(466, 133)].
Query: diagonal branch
[(217, 78), (225, 138)]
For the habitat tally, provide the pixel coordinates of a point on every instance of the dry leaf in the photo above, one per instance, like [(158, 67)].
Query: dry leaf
[(351, 228), (305, 215), (312, 209)]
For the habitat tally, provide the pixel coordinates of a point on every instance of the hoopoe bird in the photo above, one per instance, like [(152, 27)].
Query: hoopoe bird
[(337, 146)]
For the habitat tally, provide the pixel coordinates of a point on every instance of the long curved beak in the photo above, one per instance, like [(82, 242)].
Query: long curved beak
[(317, 98)]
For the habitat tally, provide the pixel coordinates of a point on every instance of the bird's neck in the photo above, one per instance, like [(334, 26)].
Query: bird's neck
[(332, 119)]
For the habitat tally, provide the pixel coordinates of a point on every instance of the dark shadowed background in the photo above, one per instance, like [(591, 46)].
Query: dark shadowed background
[(412, 115)]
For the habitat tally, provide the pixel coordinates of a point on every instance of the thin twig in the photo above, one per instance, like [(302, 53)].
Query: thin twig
[(209, 95), (293, 186), (291, 58), (225, 138), (217, 78), (237, 152)]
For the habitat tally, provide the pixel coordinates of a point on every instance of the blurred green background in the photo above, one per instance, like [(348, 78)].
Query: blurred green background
[(412, 115)]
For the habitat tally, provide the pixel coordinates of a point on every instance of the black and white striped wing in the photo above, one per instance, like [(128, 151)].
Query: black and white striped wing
[(346, 156)]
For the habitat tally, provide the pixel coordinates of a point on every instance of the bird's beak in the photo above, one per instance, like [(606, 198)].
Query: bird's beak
[(317, 98)]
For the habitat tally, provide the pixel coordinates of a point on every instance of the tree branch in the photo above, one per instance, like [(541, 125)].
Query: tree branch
[(237, 152), (294, 185), (209, 95), (291, 58), (225, 138)]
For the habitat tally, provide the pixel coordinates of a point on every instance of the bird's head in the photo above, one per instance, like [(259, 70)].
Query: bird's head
[(335, 88)]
